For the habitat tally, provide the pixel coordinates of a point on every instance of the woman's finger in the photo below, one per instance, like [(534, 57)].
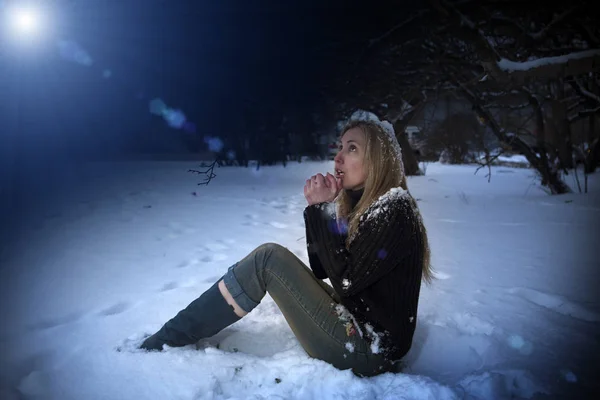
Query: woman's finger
[(320, 179), (331, 183)]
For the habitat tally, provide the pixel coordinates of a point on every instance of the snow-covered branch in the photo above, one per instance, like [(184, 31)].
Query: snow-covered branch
[(511, 66), (507, 106), (499, 94), (567, 65)]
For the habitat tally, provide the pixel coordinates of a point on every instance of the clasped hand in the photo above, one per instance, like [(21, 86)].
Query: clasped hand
[(321, 189)]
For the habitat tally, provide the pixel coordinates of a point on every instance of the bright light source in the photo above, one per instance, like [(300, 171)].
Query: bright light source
[(24, 21)]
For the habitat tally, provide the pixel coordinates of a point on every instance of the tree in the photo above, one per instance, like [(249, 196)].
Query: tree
[(507, 52), (496, 55)]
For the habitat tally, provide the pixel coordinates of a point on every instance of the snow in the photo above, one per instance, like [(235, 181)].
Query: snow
[(509, 160), (515, 158), (375, 339), (510, 66), (346, 316), (381, 204), (513, 312)]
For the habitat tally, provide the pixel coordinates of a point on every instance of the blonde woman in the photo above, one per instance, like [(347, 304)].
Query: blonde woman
[(365, 234)]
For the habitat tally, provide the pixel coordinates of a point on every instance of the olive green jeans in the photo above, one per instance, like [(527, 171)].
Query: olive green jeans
[(311, 307)]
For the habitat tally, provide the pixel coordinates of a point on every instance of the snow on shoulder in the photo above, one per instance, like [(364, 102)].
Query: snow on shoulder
[(383, 203)]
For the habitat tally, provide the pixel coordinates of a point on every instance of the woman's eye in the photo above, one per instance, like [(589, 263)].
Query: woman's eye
[(350, 148)]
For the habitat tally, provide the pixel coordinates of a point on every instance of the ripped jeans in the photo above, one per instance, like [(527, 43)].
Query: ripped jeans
[(309, 305)]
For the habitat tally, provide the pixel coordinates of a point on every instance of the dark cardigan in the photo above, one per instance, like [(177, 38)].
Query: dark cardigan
[(378, 278)]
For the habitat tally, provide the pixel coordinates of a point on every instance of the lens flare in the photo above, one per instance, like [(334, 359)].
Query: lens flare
[(175, 118), (71, 51), (214, 143), (157, 107)]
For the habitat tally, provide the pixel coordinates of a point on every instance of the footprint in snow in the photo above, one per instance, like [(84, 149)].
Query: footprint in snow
[(212, 279), (115, 309), (54, 322), (278, 225), (250, 223), (441, 275), (214, 246), (213, 257), (559, 304), (277, 205), (169, 286), (188, 263), (470, 324), (37, 384)]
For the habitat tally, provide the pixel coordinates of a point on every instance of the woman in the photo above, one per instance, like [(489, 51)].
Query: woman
[(370, 243)]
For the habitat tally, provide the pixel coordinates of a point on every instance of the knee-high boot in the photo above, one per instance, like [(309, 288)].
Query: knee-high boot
[(202, 318)]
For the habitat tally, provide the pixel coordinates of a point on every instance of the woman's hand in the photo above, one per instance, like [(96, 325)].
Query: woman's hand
[(321, 189)]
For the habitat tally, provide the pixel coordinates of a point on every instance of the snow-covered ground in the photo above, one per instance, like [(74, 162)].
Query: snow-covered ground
[(513, 314)]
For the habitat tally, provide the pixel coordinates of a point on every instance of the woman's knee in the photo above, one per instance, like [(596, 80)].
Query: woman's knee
[(271, 250), (273, 255)]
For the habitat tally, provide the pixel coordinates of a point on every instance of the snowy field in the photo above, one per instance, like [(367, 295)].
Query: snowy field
[(514, 312)]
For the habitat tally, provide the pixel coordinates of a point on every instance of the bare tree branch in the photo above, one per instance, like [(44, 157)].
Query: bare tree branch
[(509, 107), (590, 35), (583, 114), (583, 92), (559, 18), (416, 15), (209, 172)]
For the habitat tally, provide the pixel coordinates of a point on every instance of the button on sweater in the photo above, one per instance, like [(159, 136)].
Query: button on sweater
[(378, 276)]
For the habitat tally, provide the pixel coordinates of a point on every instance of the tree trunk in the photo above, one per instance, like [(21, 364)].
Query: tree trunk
[(562, 128), (549, 175), (592, 158), (411, 164)]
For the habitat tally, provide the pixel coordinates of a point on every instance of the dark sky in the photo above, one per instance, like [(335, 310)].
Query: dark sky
[(206, 58)]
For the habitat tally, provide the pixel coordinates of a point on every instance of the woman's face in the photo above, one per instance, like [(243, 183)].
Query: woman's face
[(350, 160)]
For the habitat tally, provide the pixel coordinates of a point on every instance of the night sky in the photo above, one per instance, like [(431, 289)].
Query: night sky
[(205, 58)]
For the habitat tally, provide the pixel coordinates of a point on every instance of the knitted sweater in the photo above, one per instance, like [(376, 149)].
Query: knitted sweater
[(378, 278)]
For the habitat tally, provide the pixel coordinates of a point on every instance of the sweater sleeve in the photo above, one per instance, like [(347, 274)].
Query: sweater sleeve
[(379, 245), (313, 257)]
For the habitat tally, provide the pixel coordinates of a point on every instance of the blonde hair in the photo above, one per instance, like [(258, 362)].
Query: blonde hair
[(384, 170)]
